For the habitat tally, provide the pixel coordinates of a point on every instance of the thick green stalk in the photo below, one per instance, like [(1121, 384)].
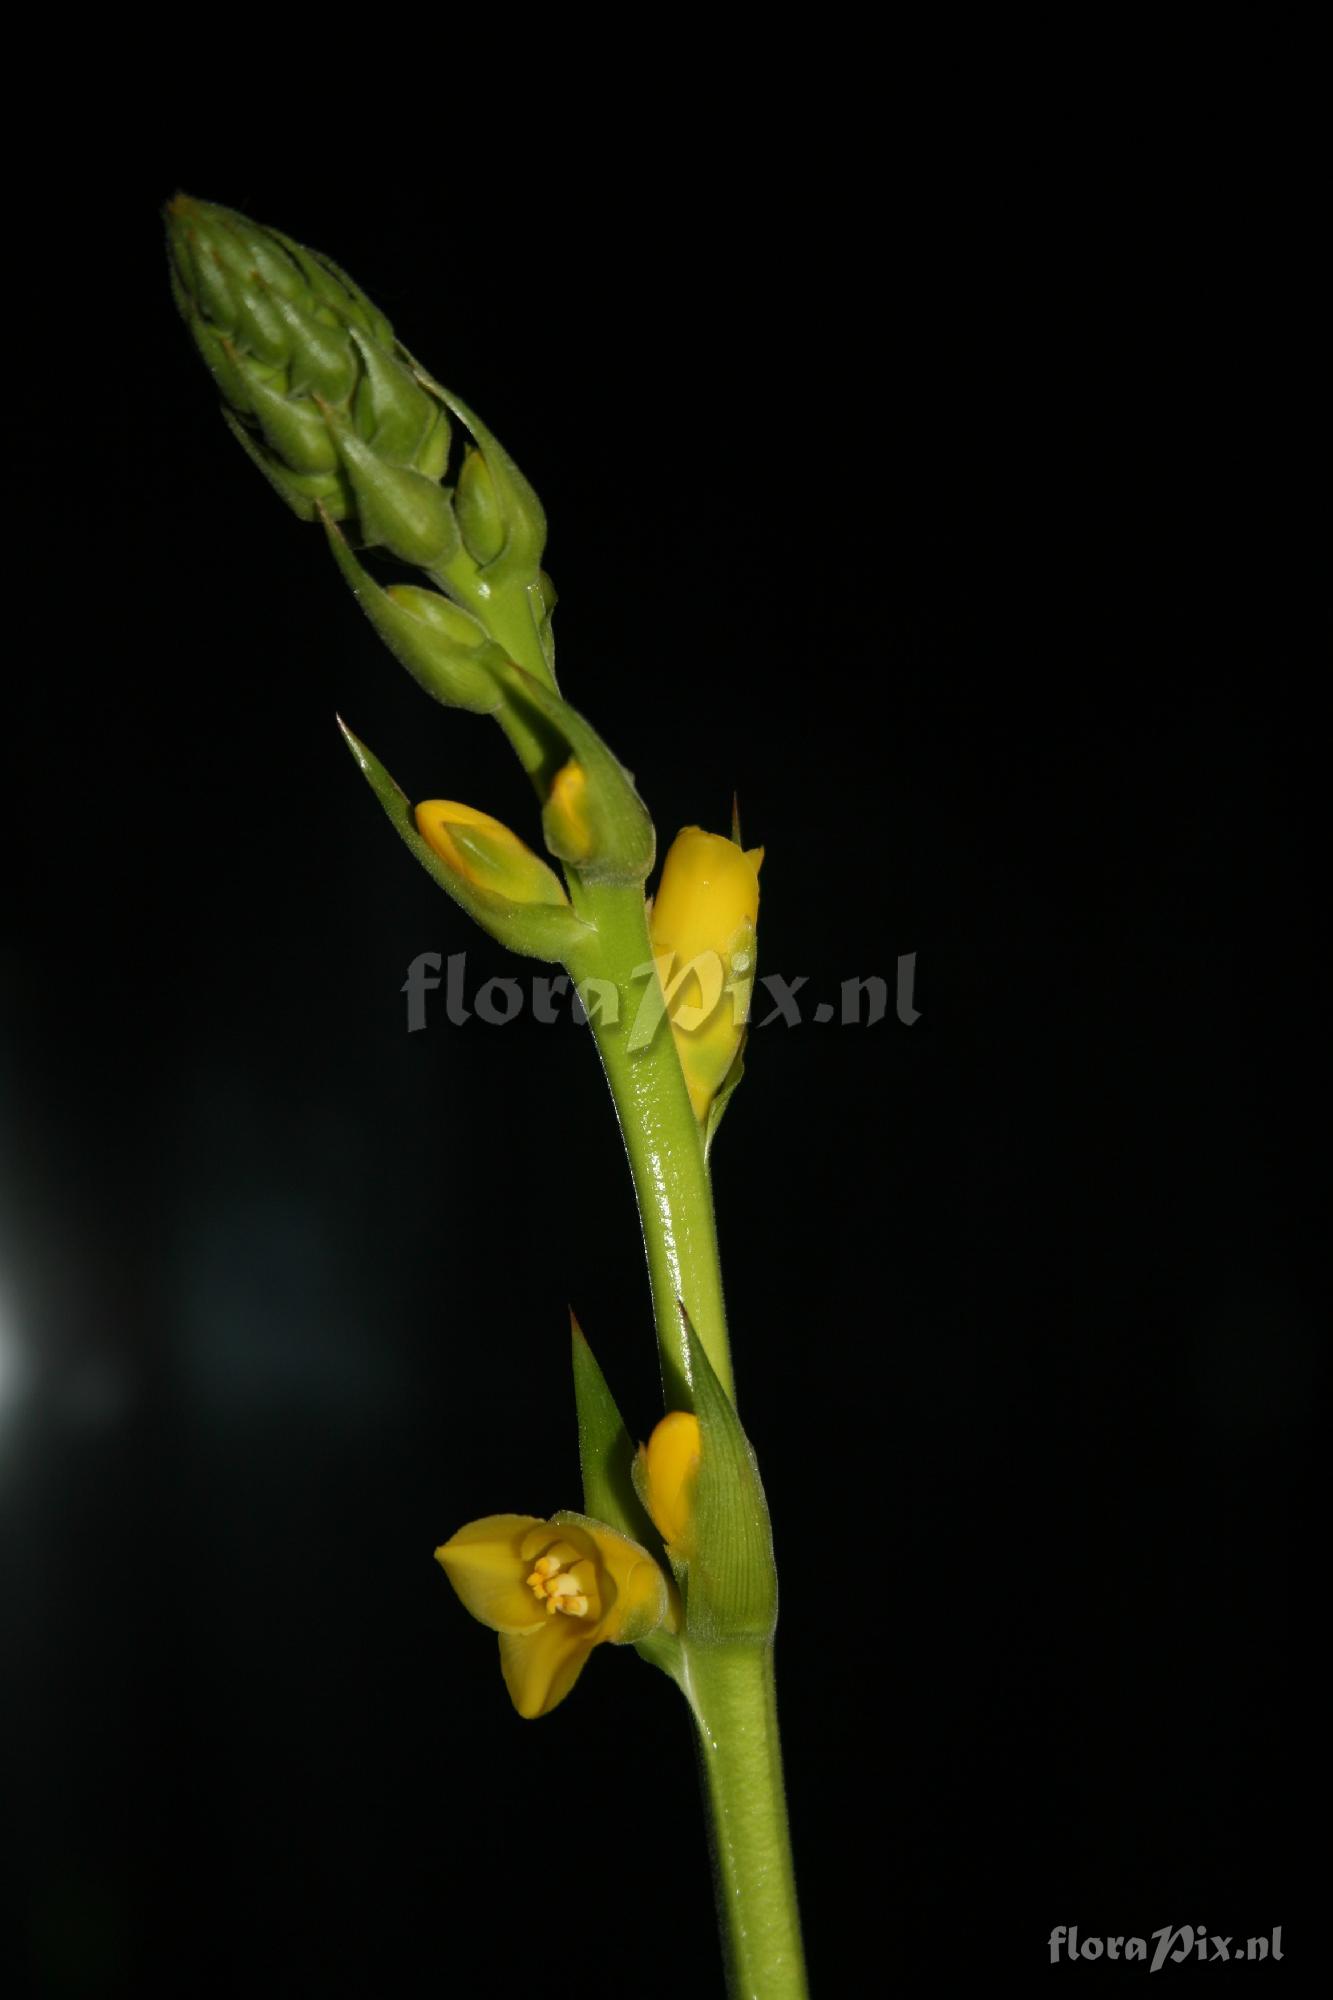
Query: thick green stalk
[(507, 614), (660, 1131), (731, 1691), (729, 1686)]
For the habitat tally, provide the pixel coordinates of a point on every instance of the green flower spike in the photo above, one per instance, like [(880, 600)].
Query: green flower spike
[(674, 1553), (343, 422), (314, 387)]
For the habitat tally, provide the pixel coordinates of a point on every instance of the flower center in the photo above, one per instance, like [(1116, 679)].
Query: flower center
[(552, 1585)]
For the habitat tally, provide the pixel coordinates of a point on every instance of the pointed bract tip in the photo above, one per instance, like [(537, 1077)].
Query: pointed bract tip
[(353, 742)]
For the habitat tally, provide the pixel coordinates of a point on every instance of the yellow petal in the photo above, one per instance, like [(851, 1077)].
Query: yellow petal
[(542, 1650), (484, 1563), (558, 1538), (635, 1599), (702, 926), (671, 1462), (541, 1667), (709, 891), (643, 1602), (487, 853)]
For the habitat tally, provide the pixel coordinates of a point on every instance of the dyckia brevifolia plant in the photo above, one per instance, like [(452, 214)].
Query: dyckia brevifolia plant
[(672, 1554)]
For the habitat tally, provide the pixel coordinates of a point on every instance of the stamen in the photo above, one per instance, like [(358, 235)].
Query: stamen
[(552, 1586)]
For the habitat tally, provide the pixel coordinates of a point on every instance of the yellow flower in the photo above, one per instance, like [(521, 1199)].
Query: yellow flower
[(703, 923), (487, 854), (670, 1464), (552, 1590)]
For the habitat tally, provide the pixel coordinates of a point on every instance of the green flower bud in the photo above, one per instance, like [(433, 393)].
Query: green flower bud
[(401, 510), (478, 509), (345, 424), (516, 563), (308, 494), (592, 817), (293, 429), (323, 364), (452, 624), (442, 647), (311, 372), (392, 411), (488, 870)]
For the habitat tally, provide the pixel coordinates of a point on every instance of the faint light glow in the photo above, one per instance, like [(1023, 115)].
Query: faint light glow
[(13, 1360)]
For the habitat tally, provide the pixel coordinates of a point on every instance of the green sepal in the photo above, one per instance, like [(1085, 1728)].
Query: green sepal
[(624, 842), (323, 360), (254, 318), (216, 350), (392, 412), (432, 457), (606, 1450), (534, 930), (332, 286), (517, 504), (542, 594), (248, 250), (203, 279), (454, 673), (477, 507), (305, 492), (399, 509), (725, 1090), (260, 326), (293, 428), (632, 1632), (732, 1586)]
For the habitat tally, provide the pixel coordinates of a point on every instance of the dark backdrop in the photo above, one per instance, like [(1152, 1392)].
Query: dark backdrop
[(964, 539)]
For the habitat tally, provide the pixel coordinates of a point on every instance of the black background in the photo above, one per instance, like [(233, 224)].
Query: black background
[(964, 537)]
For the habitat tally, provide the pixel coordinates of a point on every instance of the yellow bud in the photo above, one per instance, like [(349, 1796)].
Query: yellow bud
[(487, 854), (565, 821), (703, 922), (671, 1465)]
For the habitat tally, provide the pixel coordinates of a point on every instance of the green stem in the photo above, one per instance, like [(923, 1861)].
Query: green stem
[(731, 1691), (509, 613), (729, 1686), (661, 1133)]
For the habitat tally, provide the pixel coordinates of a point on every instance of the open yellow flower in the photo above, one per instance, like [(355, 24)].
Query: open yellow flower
[(552, 1590), (703, 924)]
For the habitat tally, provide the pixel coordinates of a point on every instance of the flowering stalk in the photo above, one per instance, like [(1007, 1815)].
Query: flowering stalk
[(661, 1133), (672, 1553)]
